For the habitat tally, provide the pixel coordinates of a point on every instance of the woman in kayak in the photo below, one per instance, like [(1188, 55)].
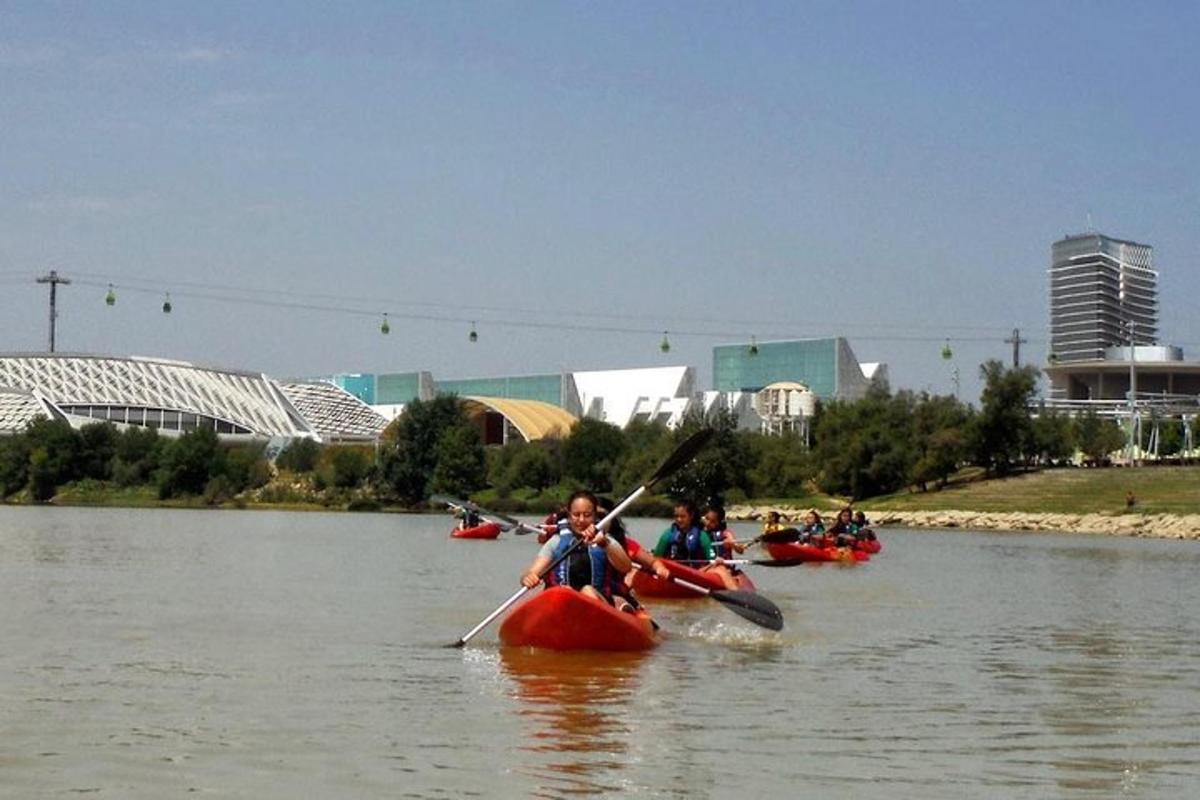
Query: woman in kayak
[(686, 541), (844, 532), (813, 528), (724, 542), (595, 570), (774, 522)]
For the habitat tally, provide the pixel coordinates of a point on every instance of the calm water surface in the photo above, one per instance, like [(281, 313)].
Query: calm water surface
[(150, 654)]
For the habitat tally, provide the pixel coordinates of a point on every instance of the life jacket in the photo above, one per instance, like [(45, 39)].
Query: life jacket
[(585, 566), (723, 549), (686, 546)]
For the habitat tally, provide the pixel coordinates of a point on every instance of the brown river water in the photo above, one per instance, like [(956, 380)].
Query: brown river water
[(157, 654)]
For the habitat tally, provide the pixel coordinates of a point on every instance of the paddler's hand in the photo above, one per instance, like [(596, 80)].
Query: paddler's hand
[(594, 537), (530, 580), (660, 569)]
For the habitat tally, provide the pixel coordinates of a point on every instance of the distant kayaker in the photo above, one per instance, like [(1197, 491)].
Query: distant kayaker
[(774, 522), (862, 527), (813, 528), (686, 541), (844, 532), (595, 570)]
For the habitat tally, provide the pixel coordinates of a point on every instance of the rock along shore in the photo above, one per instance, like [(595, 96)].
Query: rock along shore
[(1161, 526)]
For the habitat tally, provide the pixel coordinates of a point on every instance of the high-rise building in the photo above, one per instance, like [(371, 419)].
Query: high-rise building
[(1102, 291)]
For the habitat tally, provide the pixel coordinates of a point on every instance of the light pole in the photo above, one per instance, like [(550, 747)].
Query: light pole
[(54, 279), (1134, 433)]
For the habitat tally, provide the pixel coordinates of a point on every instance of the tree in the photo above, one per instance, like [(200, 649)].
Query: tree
[(865, 447), (1053, 438), (299, 456), (98, 449), (189, 462), (54, 456), (410, 447), (460, 466), (723, 464), (1002, 432), (591, 453), (780, 466), (14, 464), (1097, 438), (939, 438), (137, 453)]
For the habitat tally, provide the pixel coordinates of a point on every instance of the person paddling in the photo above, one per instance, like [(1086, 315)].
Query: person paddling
[(725, 544), (595, 570), (844, 532), (813, 529), (686, 541)]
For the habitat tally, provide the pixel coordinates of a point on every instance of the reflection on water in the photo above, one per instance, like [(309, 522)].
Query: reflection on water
[(574, 708)]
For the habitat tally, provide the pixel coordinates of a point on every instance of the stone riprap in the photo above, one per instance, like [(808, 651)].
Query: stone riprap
[(1163, 526)]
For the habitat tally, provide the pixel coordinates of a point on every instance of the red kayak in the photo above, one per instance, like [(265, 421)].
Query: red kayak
[(646, 585), (795, 551), (871, 546), (559, 618), (488, 530)]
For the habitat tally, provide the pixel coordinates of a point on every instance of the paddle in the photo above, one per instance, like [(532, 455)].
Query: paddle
[(785, 536), (506, 523), (758, 562), (684, 453), (749, 605)]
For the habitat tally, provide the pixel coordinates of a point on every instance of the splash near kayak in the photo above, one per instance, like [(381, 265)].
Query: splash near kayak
[(564, 619), (647, 585)]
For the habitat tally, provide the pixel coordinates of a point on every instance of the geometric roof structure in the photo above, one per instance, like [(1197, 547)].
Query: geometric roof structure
[(18, 408), (174, 397), (618, 396), (333, 413)]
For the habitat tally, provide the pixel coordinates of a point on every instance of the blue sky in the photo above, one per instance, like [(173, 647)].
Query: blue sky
[(578, 177)]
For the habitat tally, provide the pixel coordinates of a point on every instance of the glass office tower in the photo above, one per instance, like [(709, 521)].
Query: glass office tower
[(1101, 291)]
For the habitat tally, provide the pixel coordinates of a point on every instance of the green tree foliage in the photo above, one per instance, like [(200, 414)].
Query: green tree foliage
[(1002, 432), (189, 463), (938, 437), (591, 453), (410, 448), (55, 455), (344, 467), (1053, 438), (723, 464), (865, 448), (299, 456), (137, 452), (246, 467), (1098, 438), (97, 450), (460, 466), (14, 464), (1170, 437), (781, 466), (522, 464)]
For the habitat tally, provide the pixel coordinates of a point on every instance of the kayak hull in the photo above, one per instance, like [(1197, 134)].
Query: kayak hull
[(816, 555), (647, 585), (559, 618), (488, 530)]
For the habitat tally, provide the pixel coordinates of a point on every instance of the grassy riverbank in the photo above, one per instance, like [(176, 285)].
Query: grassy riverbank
[(1158, 490)]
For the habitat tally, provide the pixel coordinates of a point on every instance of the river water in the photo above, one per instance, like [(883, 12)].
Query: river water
[(155, 654)]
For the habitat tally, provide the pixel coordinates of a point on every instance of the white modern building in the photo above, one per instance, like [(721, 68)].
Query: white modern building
[(175, 397)]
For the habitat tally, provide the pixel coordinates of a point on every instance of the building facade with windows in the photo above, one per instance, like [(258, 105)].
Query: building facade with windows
[(1103, 291)]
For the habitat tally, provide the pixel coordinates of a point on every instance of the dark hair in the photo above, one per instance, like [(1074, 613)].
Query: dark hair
[(616, 528), (690, 505), (583, 494), (719, 510)]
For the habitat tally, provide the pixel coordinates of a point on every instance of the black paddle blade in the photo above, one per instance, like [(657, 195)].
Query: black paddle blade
[(785, 536), (778, 562), (682, 455), (751, 606)]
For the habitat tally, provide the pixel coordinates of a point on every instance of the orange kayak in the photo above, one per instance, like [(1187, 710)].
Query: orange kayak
[(559, 618), (646, 585), (488, 530), (807, 552)]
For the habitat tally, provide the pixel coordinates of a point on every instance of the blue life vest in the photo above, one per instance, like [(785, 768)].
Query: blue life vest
[(600, 574), (723, 549), (686, 546)]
